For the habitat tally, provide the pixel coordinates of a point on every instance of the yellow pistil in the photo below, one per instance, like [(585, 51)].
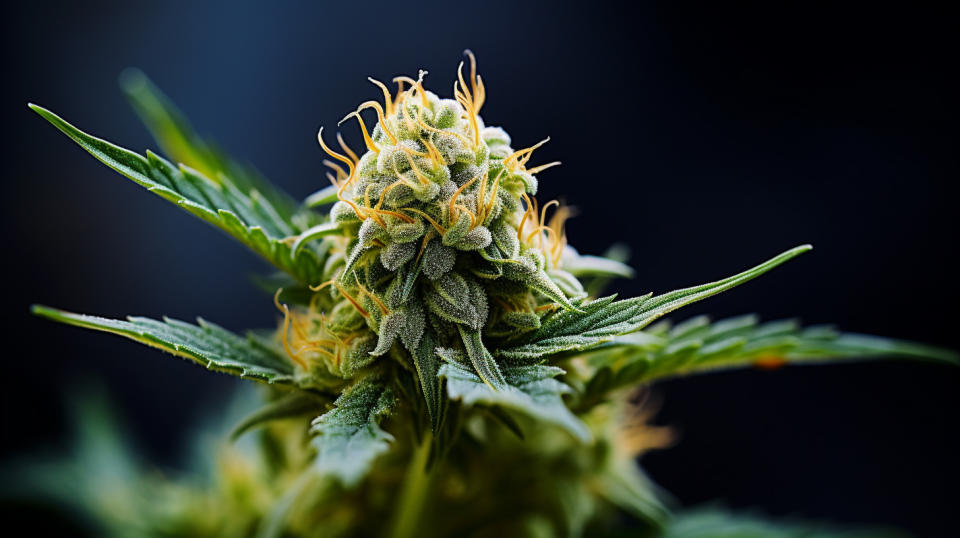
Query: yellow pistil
[(352, 170), (346, 149), (435, 157), (421, 91), (383, 122), (456, 194), (409, 153), (404, 113), (476, 83), (493, 195), (519, 158), (363, 129), (469, 104), (432, 222), (384, 192), (351, 166), (542, 167), (399, 81), (387, 98), (531, 206), (423, 246), (559, 217), (341, 173), (383, 308), (423, 125), (285, 331), (322, 285)]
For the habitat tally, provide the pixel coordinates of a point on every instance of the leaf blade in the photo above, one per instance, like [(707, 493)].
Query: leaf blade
[(600, 321), (697, 346), (246, 218), (207, 344), (531, 390), (349, 437)]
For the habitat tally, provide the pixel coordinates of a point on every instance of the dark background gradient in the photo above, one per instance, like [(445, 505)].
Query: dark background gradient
[(707, 138)]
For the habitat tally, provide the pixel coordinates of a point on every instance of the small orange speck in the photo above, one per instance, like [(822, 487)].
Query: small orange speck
[(769, 363)]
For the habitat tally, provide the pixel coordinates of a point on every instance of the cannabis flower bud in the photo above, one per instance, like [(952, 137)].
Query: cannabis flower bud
[(436, 239)]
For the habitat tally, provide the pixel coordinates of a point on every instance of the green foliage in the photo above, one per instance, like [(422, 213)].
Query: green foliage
[(205, 343), (349, 437), (531, 390), (601, 320), (446, 342), (698, 346), (247, 216)]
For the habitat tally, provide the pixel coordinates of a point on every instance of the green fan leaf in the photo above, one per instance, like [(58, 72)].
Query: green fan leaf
[(248, 216), (697, 346), (207, 344), (604, 319), (349, 436), (531, 390)]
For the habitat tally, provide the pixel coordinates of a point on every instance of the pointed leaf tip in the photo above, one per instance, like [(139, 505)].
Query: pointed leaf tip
[(206, 344), (602, 320), (132, 79)]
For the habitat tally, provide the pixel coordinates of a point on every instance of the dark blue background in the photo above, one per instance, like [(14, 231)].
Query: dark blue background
[(707, 138)]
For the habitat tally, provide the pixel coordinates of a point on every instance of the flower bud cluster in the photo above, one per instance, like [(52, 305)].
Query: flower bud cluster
[(438, 231)]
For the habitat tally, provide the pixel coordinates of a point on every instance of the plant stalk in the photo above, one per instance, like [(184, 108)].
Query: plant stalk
[(414, 493)]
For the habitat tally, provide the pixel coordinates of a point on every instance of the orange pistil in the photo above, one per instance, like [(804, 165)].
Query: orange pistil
[(351, 168), (353, 301), (383, 308), (432, 222), (456, 194)]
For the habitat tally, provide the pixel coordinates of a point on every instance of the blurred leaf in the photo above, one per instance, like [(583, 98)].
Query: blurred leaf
[(715, 523), (178, 140), (294, 404), (206, 344), (625, 485), (585, 265)]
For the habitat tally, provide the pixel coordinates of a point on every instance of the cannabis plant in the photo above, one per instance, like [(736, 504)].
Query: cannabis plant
[(444, 362)]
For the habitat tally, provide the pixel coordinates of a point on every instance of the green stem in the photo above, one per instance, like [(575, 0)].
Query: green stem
[(415, 487)]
